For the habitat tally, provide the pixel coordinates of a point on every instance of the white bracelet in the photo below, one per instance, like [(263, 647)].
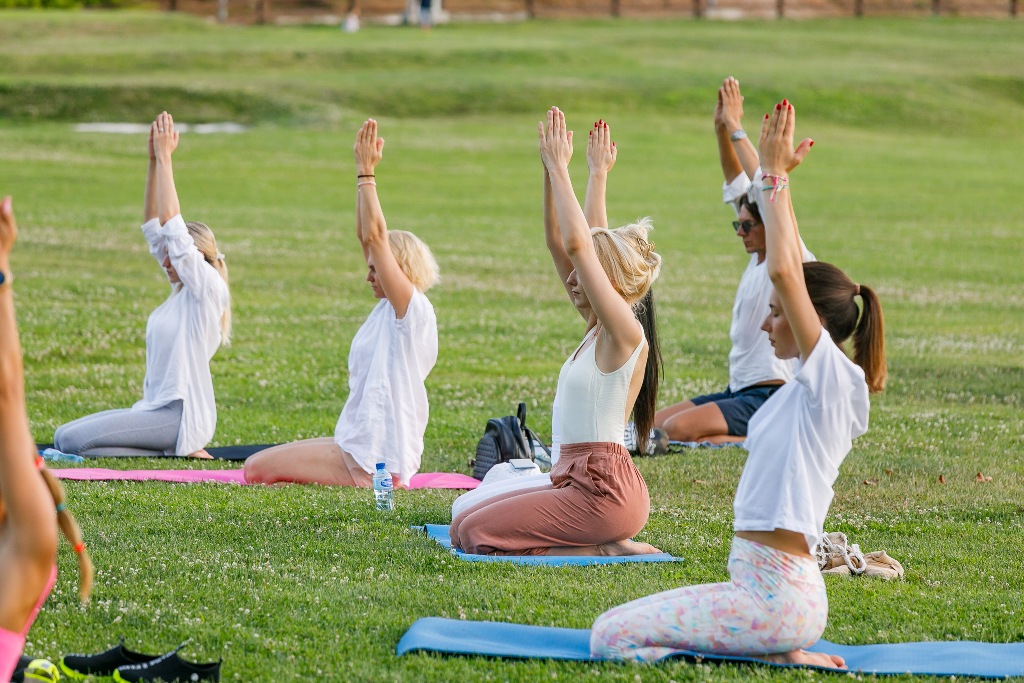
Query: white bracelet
[(366, 182), (737, 135)]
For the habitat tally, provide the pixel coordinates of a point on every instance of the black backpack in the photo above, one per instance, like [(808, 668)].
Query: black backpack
[(505, 438)]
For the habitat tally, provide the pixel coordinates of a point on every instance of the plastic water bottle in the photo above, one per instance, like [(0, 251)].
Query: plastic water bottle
[(53, 455), (383, 488)]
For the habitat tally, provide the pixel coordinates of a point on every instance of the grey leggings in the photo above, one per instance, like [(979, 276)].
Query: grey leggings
[(122, 432)]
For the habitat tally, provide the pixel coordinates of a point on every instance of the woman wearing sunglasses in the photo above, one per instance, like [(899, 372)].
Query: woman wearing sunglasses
[(755, 373)]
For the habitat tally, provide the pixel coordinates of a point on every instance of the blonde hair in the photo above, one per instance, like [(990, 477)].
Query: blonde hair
[(628, 259), (206, 243), (415, 259), (632, 266)]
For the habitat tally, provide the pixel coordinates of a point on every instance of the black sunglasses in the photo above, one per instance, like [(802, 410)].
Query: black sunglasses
[(746, 225)]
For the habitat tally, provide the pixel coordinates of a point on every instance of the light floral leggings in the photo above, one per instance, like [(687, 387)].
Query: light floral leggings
[(774, 602)]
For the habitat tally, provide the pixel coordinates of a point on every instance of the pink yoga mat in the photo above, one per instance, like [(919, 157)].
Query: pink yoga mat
[(427, 480)]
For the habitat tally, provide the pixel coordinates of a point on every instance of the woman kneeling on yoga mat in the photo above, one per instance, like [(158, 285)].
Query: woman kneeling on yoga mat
[(775, 604), (385, 416), (596, 499), (28, 493), (178, 413)]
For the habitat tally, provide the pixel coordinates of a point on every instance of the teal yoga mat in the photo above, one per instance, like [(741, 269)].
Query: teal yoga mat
[(439, 533), (518, 641)]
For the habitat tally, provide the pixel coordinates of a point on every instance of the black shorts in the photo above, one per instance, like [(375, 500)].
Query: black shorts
[(738, 406)]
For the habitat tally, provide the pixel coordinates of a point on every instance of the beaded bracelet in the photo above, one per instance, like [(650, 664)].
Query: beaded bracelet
[(779, 182), (61, 506), (79, 547)]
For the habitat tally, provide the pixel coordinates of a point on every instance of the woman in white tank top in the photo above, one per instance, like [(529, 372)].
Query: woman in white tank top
[(774, 604), (596, 499)]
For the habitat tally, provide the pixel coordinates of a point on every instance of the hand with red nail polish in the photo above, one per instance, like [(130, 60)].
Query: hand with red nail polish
[(601, 151), (776, 149)]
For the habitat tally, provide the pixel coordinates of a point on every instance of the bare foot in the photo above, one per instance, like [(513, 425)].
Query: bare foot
[(201, 454), (627, 547), (807, 658)]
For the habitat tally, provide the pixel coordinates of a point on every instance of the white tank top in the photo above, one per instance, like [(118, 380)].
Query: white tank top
[(592, 404)]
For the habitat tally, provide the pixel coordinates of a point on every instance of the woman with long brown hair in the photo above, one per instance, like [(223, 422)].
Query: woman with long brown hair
[(774, 604)]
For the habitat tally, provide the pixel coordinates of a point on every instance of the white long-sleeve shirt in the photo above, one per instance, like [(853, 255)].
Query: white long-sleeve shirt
[(182, 335)]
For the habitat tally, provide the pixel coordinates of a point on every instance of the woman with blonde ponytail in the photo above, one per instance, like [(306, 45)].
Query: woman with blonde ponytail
[(774, 604), (28, 534), (178, 413), (596, 499)]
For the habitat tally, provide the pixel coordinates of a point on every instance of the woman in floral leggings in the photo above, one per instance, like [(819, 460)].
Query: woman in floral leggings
[(774, 604)]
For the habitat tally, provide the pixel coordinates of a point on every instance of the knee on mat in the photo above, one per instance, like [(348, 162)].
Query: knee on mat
[(255, 472), (65, 442), (605, 639)]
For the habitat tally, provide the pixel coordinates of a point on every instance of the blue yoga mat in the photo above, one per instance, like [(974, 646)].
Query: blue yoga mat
[(439, 533), (496, 639)]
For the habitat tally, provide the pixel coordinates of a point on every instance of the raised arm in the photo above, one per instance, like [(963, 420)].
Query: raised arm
[(601, 155), (28, 537), (149, 210), (372, 229), (727, 156), (735, 149), (150, 214), (196, 274), (165, 141), (782, 239), (553, 239), (612, 311)]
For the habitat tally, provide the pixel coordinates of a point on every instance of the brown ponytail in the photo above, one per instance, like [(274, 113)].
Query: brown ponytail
[(646, 400), (833, 295), (869, 340), (73, 535)]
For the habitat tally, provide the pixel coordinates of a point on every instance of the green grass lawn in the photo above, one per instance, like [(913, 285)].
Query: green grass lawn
[(913, 188)]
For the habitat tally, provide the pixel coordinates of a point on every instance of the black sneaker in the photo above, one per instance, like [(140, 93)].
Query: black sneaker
[(19, 671), (169, 668), (78, 667)]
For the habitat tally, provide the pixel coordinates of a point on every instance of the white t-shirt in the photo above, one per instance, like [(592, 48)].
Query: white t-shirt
[(386, 413), (797, 440), (752, 359), (182, 335)]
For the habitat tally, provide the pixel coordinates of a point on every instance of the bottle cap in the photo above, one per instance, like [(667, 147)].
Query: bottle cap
[(380, 466)]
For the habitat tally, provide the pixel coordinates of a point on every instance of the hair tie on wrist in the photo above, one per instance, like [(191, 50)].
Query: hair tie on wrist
[(79, 547), (366, 175), (61, 506)]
